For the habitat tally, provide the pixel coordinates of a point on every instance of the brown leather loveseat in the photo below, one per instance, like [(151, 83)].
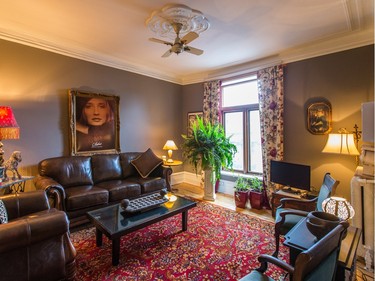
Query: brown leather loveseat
[(34, 243), (78, 184)]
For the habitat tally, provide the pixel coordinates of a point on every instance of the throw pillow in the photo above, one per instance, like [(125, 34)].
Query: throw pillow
[(3, 213), (146, 163)]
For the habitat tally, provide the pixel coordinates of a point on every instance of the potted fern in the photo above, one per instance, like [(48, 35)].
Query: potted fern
[(241, 192), (256, 193), (207, 148)]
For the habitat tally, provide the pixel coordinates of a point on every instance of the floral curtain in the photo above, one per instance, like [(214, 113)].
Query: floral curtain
[(271, 109), (211, 101), (211, 106)]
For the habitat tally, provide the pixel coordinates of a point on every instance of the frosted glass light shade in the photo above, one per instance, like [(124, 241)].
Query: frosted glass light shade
[(339, 207)]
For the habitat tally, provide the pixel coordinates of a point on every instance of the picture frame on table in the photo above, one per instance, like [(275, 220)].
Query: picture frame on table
[(191, 119), (94, 123), (319, 118)]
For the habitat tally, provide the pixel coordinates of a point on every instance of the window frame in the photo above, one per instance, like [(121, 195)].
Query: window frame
[(245, 109)]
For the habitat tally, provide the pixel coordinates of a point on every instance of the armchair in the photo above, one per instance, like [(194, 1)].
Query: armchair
[(35, 244), (317, 263), (288, 216)]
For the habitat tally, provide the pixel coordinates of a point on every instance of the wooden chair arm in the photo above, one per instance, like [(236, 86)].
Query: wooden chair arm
[(265, 259), (295, 203)]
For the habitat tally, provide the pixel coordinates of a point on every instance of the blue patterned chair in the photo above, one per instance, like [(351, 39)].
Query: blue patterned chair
[(319, 262), (287, 217)]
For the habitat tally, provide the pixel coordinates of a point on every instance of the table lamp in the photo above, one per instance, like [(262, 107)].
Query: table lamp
[(8, 130), (170, 146), (339, 207), (343, 143)]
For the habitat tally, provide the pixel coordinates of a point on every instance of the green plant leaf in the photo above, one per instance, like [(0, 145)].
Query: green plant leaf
[(208, 148)]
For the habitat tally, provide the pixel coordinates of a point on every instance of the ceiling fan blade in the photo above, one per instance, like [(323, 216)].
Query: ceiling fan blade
[(167, 53), (189, 37), (160, 41), (194, 51)]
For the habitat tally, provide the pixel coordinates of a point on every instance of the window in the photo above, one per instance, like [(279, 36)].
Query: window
[(240, 110)]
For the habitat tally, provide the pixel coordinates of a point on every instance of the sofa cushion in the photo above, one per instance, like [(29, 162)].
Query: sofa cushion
[(121, 189), (80, 197), (68, 170), (146, 163), (150, 184), (105, 167), (3, 213), (127, 168)]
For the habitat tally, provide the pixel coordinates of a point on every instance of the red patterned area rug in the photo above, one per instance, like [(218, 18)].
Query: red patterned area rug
[(219, 244)]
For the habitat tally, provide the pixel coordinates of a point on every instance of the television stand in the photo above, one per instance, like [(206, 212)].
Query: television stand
[(291, 190), (280, 194)]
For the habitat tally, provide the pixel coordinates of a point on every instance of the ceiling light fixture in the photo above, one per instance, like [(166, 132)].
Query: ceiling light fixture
[(162, 21), (184, 23)]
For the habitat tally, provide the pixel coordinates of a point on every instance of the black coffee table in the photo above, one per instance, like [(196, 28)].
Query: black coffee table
[(115, 223)]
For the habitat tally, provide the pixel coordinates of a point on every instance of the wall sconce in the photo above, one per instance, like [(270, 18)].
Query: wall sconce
[(8, 130), (339, 207), (170, 146), (344, 142)]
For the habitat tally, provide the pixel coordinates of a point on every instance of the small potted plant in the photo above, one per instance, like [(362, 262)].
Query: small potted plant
[(256, 193), (241, 192)]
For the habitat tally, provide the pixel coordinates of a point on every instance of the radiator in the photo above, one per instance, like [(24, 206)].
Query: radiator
[(362, 200)]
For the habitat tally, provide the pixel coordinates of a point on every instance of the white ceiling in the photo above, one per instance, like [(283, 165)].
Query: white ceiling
[(244, 34)]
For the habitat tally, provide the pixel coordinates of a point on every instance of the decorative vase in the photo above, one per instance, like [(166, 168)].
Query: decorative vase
[(240, 198), (209, 187), (320, 223), (256, 199), (217, 184)]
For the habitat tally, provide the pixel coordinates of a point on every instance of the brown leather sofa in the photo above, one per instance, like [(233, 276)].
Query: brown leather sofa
[(35, 244), (77, 184)]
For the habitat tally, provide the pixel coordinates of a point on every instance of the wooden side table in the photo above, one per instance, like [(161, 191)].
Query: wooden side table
[(172, 164), (299, 238)]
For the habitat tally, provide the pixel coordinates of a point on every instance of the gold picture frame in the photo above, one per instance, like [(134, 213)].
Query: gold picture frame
[(94, 123), (191, 119), (319, 118)]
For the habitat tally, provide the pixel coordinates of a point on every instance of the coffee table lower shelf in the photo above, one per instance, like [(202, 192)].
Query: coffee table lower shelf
[(114, 223)]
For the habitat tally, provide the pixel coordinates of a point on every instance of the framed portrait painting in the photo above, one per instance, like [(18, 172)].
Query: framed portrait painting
[(94, 123), (191, 119), (319, 118)]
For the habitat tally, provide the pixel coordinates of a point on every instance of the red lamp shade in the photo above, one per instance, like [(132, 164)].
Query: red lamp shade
[(8, 125)]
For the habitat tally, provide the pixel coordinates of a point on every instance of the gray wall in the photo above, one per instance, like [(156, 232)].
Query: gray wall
[(346, 79), (35, 84), (192, 101)]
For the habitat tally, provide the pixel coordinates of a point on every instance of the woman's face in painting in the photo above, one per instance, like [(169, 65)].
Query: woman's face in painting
[(96, 111)]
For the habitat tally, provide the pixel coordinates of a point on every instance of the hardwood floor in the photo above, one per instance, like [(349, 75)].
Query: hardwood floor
[(222, 199), (227, 201)]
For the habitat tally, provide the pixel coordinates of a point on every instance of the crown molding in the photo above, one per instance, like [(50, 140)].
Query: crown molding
[(86, 55), (318, 48), (342, 42)]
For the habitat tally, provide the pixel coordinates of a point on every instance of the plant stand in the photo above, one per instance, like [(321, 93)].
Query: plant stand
[(209, 187)]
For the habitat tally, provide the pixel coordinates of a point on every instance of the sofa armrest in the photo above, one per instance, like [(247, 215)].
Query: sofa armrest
[(24, 203), (54, 190), (33, 229), (165, 173)]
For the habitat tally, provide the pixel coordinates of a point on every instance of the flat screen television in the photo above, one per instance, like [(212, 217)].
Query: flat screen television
[(290, 175)]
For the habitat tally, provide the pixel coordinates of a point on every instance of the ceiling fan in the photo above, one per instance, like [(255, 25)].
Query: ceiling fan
[(180, 44)]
